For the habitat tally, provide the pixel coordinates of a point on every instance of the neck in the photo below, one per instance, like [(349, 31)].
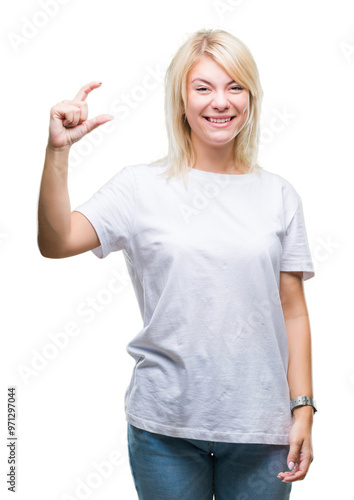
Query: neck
[(213, 158)]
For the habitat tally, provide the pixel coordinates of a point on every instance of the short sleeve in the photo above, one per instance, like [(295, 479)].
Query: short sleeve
[(296, 254), (111, 212)]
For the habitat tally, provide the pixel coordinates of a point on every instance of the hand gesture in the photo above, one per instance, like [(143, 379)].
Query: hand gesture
[(300, 453), (68, 119)]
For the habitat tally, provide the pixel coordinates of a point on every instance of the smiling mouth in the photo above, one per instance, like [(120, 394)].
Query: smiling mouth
[(219, 120)]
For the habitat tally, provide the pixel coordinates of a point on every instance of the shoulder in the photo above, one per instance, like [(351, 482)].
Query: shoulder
[(131, 175), (282, 186), (277, 179), (141, 170)]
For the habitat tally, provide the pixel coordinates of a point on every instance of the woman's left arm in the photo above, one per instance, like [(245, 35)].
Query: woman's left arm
[(299, 373)]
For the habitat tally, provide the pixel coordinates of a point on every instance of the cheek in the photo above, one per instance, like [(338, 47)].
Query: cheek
[(245, 110), (194, 107), (193, 113), (245, 106)]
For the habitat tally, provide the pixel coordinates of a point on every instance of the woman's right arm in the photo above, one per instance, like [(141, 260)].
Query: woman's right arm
[(62, 233)]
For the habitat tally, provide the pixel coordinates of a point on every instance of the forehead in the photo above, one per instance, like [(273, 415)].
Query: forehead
[(206, 68)]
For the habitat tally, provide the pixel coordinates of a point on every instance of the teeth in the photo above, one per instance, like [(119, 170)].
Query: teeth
[(219, 120)]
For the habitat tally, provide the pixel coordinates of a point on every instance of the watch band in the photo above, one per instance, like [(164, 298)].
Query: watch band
[(303, 401)]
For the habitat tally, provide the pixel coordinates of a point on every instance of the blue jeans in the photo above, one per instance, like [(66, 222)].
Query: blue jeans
[(170, 468)]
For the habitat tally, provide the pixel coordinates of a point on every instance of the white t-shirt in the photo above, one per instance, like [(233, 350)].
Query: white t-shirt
[(212, 355)]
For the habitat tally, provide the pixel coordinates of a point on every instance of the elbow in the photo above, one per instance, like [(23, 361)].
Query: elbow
[(48, 252)]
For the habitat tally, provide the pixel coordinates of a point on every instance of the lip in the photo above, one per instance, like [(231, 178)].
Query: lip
[(219, 117), (219, 125)]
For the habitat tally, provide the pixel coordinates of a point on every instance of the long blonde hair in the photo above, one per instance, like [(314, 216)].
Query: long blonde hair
[(235, 58)]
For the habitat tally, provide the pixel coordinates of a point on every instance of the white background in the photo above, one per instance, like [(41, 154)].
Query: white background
[(71, 407)]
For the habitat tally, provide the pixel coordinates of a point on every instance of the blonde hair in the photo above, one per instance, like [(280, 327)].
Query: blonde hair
[(235, 58)]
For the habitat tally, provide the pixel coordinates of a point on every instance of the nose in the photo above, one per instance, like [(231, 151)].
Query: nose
[(220, 101)]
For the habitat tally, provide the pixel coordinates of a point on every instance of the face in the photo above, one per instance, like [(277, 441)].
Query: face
[(211, 93)]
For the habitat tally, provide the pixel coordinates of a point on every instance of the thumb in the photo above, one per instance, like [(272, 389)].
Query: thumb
[(293, 455), (89, 125)]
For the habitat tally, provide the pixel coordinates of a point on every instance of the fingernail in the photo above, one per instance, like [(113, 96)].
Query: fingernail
[(291, 465), (111, 117)]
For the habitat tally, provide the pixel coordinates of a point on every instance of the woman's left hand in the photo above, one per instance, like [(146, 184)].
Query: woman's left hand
[(300, 452)]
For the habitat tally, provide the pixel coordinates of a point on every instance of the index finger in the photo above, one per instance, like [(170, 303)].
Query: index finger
[(300, 473), (85, 90)]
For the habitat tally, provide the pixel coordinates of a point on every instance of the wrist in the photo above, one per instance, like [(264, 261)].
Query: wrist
[(57, 159), (303, 413), (54, 150)]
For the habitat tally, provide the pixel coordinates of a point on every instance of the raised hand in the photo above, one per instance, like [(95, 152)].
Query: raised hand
[(68, 119)]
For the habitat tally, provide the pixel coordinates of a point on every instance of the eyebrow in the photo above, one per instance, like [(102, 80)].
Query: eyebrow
[(206, 81)]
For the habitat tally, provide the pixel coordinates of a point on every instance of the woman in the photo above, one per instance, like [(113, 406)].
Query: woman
[(216, 248)]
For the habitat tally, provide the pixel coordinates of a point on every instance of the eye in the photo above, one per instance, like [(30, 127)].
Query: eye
[(235, 87)]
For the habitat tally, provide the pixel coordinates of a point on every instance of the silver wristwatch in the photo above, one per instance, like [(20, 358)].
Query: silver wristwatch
[(302, 401)]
